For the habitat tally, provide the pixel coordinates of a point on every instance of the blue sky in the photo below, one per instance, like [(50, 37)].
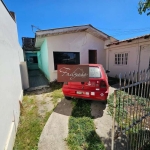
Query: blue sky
[(118, 18)]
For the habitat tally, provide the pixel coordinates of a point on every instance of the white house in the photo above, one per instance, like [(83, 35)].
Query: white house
[(10, 78), (128, 55), (71, 45)]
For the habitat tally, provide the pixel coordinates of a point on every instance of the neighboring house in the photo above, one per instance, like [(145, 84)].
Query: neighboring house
[(71, 45), (11, 91), (128, 55), (30, 53)]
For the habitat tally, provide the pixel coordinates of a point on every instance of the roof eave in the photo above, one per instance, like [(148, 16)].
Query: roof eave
[(129, 40), (74, 29)]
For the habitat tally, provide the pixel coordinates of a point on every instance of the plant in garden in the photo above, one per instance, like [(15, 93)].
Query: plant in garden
[(130, 110)]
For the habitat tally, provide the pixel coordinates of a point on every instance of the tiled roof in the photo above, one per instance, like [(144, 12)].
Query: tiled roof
[(129, 40)]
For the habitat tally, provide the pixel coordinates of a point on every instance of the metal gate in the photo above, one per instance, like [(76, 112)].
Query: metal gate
[(131, 112)]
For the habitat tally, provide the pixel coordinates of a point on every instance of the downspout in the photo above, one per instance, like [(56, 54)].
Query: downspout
[(139, 60), (108, 58)]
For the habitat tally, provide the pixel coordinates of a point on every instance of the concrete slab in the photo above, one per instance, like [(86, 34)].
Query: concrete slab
[(37, 78), (56, 129), (102, 121)]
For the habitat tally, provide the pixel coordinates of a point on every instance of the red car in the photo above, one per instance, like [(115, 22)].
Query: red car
[(96, 89)]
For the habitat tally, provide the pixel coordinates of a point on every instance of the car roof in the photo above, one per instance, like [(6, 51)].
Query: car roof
[(95, 65)]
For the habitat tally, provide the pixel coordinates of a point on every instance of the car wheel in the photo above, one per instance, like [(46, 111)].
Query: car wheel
[(67, 98)]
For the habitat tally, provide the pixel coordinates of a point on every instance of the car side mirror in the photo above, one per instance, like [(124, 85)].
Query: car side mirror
[(107, 71)]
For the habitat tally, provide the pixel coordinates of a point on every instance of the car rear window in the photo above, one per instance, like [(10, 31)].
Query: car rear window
[(94, 72)]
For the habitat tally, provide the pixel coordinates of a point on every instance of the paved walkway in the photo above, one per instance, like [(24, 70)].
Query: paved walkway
[(102, 121), (56, 129), (37, 78)]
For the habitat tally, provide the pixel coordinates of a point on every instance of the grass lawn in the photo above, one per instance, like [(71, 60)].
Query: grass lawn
[(82, 135), (31, 121)]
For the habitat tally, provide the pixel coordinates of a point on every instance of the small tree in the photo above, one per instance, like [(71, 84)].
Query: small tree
[(144, 6)]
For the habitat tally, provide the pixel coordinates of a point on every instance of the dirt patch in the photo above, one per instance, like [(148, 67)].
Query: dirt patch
[(43, 99), (37, 106)]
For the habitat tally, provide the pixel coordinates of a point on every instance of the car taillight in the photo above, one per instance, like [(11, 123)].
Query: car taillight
[(103, 84), (65, 83), (97, 84)]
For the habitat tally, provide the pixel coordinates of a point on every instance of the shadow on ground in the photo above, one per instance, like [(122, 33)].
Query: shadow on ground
[(131, 141), (107, 141), (64, 107), (37, 78), (52, 87), (38, 92), (97, 110)]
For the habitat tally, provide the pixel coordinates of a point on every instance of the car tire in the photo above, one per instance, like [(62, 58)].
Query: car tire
[(67, 98)]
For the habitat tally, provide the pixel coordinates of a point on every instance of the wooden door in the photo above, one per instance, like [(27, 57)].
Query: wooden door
[(92, 56)]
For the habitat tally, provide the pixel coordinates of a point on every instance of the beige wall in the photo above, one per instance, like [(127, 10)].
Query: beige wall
[(76, 42), (133, 49), (145, 57)]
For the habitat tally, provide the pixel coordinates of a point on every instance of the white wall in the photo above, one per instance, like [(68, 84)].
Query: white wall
[(10, 79), (76, 42), (133, 50)]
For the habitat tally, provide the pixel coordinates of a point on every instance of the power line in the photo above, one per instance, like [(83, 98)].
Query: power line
[(118, 32), (126, 29), (131, 32)]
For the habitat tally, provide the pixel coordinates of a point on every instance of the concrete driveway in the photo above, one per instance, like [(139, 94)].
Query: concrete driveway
[(56, 129)]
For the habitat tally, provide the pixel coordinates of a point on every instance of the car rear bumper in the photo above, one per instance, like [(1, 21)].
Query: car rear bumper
[(93, 95)]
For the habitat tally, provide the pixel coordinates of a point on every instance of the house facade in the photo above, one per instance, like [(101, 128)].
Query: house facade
[(11, 91), (70, 45), (128, 55)]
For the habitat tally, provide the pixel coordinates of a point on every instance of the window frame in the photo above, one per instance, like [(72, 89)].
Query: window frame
[(121, 58), (55, 68)]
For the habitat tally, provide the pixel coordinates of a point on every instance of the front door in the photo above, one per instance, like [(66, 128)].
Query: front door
[(92, 56), (145, 58)]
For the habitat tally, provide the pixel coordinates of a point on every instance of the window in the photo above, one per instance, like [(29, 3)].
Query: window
[(66, 58), (94, 72), (33, 59), (121, 59)]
